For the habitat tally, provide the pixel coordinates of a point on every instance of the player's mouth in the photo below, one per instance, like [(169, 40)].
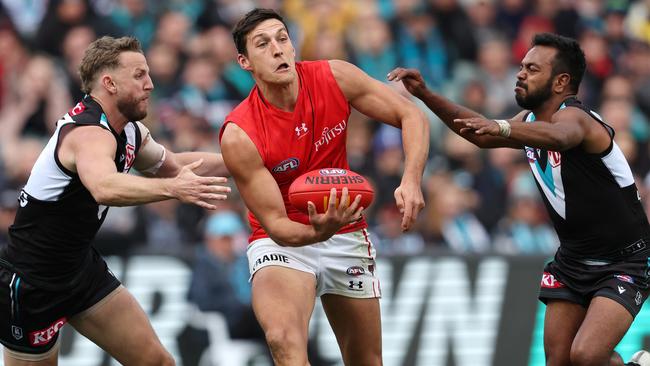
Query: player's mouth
[(520, 87), (282, 67)]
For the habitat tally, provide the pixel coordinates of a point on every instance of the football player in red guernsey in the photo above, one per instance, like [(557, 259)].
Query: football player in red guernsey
[(295, 120)]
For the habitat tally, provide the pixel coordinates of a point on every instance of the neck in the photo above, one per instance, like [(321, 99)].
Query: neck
[(116, 119), (545, 111), (282, 96)]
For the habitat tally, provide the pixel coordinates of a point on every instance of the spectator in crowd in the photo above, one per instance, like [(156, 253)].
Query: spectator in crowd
[(220, 275), (525, 229)]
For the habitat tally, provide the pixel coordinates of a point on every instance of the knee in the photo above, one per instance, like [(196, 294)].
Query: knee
[(582, 355), (558, 355), (285, 343)]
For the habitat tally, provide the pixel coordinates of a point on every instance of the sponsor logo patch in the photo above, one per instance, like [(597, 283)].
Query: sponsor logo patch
[(625, 278), (272, 257), (549, 281), (130, 157), (355, 271), (286, 165), (332, 172), (17, 332), (356, 285), (80, 107), (43, 337)]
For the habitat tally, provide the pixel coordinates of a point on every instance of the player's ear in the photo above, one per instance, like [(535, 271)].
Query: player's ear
[(108, 83), (561, 83), (243, 62)]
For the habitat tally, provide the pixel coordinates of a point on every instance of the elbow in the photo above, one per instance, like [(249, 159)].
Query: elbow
[(104, 197)]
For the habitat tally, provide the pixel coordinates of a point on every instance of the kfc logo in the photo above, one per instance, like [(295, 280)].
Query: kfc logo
[(43, 337), (549, 281), (80, 107)]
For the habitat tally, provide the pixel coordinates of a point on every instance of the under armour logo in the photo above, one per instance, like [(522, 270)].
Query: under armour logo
[(301, 130), (356, 285), (22, 199)]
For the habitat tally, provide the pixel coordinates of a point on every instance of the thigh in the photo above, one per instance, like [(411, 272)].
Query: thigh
[(357, 326), (561, 323), (13, 358), (603, 327), (120, 326), (284, 298)]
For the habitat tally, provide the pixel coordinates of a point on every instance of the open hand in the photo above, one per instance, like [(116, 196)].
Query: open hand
[(478, 126), (191, 188), (412, 79)]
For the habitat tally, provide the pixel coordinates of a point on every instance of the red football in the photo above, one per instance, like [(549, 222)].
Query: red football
[(315, 186)]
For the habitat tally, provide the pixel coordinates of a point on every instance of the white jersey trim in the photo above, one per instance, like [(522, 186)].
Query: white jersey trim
[(617, 165)]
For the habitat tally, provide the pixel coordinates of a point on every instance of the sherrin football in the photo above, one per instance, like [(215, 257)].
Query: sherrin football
[(315, 186)]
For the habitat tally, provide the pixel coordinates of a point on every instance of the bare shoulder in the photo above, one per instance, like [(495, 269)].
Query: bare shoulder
[(238, 149), (353, 81), (342, 68), (89, 137), (570, 114)]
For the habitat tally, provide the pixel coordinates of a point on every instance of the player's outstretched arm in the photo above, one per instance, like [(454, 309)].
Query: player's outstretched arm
[(263, 197), (568, 128), (376, 100), (155, 160), (89, 151), (445, 109)]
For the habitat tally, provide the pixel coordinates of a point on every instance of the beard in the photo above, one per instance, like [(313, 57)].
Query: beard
[(536, 98), (128, 106)]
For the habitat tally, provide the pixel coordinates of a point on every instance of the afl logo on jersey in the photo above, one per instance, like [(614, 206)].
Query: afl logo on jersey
[(286, 165)]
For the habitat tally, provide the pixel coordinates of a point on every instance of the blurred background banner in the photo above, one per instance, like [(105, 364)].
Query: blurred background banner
[(460, 289), (437, 310)]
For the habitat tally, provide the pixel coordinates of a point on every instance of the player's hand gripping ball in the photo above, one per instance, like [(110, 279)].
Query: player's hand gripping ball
[(315, 186)]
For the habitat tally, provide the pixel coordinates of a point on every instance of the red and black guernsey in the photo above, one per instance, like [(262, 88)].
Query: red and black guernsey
[(311, 137), (57, 218)]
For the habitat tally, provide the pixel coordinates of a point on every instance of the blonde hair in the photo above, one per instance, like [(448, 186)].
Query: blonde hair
[(103, 54)]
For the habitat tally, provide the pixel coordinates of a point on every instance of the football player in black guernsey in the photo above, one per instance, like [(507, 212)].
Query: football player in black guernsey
[(598, 280), (50, 274)]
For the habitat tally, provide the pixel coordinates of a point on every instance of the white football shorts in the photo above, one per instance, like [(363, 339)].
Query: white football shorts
[(343, 265)]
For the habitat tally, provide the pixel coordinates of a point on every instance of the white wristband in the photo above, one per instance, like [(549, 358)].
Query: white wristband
[(504, 127)]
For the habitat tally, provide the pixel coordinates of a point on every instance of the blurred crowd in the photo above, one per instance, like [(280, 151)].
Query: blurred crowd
[(478, 201)]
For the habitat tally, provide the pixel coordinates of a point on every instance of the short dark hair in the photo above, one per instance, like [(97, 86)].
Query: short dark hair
[(103, 54), (249, 22), (569, 57)]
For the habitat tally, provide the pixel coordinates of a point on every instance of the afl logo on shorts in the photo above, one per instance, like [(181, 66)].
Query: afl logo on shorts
[(17, 332), (355, 271)]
